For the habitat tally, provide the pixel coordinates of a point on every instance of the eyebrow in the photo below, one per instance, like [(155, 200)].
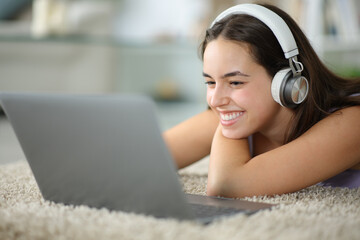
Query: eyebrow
[(230, 74)]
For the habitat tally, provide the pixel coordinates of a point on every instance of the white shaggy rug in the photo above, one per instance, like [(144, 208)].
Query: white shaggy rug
[(313, 213)]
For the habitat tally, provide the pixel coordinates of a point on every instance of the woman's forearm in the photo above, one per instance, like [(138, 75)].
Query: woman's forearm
[(191, 140), (226, 158)]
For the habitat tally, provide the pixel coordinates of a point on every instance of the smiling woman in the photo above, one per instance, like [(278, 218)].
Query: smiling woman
[(274, 108), (247, 93)]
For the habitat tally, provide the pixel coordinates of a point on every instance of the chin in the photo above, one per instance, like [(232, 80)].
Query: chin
[(234, 134)]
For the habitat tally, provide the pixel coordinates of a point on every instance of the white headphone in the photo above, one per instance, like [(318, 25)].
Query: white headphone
[(288, 87)]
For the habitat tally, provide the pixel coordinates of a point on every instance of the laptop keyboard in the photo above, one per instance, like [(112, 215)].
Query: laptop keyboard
[(205, 211)]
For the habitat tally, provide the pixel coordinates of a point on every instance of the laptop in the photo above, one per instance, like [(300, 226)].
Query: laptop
[(107, 151)]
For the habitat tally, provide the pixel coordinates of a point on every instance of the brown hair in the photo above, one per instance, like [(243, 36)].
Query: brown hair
[(327, 91)]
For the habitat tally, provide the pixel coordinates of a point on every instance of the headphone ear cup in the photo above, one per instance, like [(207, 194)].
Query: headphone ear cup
[(296, 90), (287, 90), (278, 85)]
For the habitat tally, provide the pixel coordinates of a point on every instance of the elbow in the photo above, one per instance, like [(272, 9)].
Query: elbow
[(220, 189), (227, 187), (212, 190)]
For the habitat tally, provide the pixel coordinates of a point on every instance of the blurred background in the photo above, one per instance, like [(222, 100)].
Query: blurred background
[(143, 46)]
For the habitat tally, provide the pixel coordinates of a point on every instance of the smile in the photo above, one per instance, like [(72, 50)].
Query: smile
[(229, 118)]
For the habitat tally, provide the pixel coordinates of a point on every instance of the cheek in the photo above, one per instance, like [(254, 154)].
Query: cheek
[(264, 102), (244, 98), (262, 97), (264, 111), (259, 103)]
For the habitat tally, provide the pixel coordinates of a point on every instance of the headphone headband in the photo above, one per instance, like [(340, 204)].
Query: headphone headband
[(271, 19)]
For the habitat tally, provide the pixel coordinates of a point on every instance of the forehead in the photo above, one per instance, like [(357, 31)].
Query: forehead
[(227, 53), (221, 43)]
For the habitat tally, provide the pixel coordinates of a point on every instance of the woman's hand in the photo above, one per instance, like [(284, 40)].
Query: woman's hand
[(227, 156)]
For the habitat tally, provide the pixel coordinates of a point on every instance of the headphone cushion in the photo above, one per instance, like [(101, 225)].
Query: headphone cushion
[(278, 84)]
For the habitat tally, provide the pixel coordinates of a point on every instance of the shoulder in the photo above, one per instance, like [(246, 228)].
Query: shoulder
[(342, 125), (353, 111), (344, 120)]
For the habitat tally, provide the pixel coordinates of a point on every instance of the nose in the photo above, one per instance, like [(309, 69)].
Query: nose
[(218, 97)]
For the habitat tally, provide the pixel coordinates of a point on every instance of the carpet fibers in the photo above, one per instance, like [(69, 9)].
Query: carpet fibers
[(312, 213)]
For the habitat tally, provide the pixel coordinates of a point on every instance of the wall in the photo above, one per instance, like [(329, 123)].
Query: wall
[(56, 67)]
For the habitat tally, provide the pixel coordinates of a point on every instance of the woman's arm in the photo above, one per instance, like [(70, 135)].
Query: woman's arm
[(190, 141), (328, 148), (227, 155)]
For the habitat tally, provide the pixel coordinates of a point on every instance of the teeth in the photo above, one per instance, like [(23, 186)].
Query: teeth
[(230, 116)]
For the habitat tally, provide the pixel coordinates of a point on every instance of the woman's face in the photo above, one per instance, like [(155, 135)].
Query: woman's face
[(238, 89)]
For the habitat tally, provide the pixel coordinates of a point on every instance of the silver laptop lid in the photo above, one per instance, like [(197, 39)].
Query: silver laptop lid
[(101, 151)]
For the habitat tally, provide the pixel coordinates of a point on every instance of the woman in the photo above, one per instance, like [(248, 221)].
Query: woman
[(257, 146)]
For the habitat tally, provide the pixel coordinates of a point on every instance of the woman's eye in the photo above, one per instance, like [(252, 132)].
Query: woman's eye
[(210, 83), (236, 83)]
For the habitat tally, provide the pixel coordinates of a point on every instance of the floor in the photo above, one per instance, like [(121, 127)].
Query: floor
[(169, 115)]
